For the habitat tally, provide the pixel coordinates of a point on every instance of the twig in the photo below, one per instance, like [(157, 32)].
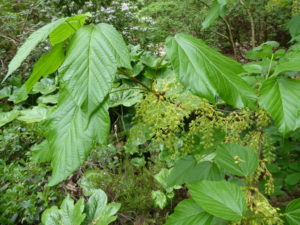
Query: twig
[(230, 36), (9, 38), (127, 89), (123, 72), (229, 31)]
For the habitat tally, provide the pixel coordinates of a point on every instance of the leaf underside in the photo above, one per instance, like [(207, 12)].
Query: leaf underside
[(208, 73)]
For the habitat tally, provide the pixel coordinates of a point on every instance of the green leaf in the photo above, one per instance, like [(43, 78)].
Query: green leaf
[(138, 162), (150, 60), (208, 73), (238, 160), (51, 216), (49, 99), (68, 28), (187, 170), (6, 117), (41, 152), (45, 86), (265, 50), (47, 64), (68, 214), (160, 199), (216, 10), (33, 115), (19, 95), (188, 212), (92, 180), (138, 135), (98, 211), (71, 137), (290, 63), (292, 179), (5, 92), (125, 95), (153, 62), (253, 67), (293, 212), (72, 214), (294, 26), (219, 198), (93, 56), (161, 178), (279, 96), (31, 42)]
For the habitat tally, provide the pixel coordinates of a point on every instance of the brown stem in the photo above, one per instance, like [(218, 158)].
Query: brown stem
[(229, 30), (9, 38), (125, 73), (124, 89)]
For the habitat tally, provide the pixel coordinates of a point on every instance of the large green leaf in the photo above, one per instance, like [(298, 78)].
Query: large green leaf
[(188, 212), (239, 160), (293, 212), (219, 198), (93, 56), (98, 211), (6, 117), (216, 10), (208, 73), (43, 66), (280, 96), (31, 42), (71, 135), (187, 170), (68, 214)]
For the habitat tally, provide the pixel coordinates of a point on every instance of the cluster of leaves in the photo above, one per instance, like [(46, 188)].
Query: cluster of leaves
[(95, 212), (231, 30), (23, 196), (123, 182)]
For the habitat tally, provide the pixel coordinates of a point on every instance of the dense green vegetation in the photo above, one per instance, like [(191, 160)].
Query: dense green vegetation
[(150, 112)]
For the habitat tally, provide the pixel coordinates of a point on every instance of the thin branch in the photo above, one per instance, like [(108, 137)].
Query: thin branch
[(127, 89), (229, 30), (9, 38), (124, 72)]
